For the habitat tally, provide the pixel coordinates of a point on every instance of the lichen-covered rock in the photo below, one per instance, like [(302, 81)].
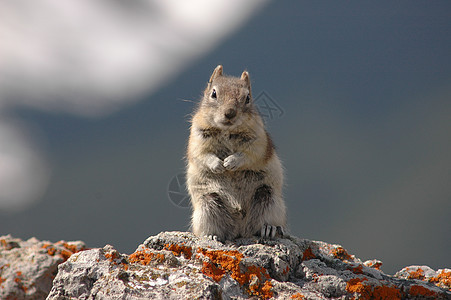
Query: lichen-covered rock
[(27, 268), (422, 274), (178, 265), (146, 274)]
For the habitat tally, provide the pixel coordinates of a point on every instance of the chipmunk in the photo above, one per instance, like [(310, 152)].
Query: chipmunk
[(234, 176)]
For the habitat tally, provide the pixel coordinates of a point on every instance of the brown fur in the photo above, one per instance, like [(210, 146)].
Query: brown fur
[(234, 176)]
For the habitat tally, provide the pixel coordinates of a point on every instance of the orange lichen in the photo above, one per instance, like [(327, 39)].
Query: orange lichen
[(221, 262), (64, 253), (141, 257), (252, 271), (442, 280), (385, 292), (51, 251), (418, 290), (261, 291), (112, 256), (308, 254), (418, 274), (19, 282), (315, 277), (211, 270), (297, 296), (356, 285), (357, 270), (286, 270), (1, 268), (144, 257), (265, 291), (341, 254), (179, 249), (254, 284), (71, 248), (4, 243), (374, 264)]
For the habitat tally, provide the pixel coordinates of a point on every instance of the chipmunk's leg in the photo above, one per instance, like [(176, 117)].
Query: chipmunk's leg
[(212, 218), (267, 215)]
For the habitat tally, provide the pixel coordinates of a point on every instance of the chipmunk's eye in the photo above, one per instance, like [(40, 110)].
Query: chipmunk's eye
[(213, 94), (248, 99)]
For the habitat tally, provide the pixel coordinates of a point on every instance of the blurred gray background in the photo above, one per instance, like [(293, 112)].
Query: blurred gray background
[(95, 98)]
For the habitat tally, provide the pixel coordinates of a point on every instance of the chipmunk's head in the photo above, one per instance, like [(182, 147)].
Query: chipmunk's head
[(228, 100)]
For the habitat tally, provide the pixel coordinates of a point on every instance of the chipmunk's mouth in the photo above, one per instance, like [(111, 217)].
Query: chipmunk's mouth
[(227, 123)]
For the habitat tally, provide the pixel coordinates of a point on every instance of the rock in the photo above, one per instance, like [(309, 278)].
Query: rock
[(27, 268), (178, 265)]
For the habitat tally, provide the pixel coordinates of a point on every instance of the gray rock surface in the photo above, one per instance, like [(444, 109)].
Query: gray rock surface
[(178, 265), (27, 268)]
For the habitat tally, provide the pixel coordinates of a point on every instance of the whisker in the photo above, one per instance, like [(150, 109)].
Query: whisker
[(187, 100)]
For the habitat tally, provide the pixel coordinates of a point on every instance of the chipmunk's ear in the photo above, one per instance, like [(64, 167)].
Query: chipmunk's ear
[(245, 78), (216, 73)]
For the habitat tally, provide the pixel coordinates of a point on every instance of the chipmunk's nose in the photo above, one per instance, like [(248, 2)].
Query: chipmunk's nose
[(230, 113)]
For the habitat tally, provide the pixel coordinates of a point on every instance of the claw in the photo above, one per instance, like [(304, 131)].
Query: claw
[(213, 237), (266, 231), (273, 231), (270, 231), (263, 231)]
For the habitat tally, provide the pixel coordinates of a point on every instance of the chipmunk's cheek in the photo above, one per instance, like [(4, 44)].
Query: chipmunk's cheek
[(215, 121), (238, 121)]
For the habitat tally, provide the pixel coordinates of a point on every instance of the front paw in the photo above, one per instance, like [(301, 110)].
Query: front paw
[(215, 164), (233, 161)]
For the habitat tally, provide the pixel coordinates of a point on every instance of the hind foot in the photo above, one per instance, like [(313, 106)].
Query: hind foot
[(270, 231), (213, 238)]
